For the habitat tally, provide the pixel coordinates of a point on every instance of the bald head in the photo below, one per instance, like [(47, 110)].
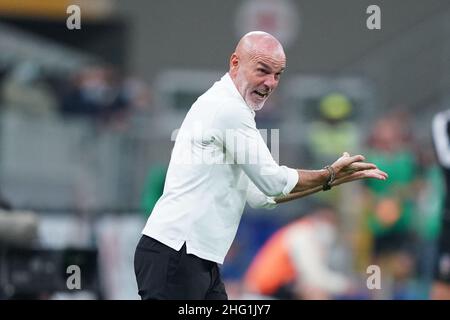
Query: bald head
[(256, 66), (257, 43)]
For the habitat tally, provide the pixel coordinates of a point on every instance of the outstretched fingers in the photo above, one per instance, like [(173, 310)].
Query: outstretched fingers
[(346, 160), (360, 166), (376, 173), (371, 173)]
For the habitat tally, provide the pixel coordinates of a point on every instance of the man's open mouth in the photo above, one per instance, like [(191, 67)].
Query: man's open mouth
[(261, 94)]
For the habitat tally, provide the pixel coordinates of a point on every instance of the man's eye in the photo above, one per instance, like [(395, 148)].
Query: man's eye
[(261, 70)]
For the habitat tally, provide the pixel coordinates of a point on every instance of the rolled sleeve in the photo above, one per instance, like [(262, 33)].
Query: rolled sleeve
[(292, 179)]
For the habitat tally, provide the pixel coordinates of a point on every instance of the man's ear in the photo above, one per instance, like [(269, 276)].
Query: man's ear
[(234, 62)]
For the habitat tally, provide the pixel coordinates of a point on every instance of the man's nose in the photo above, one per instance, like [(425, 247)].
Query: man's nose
[(270, 82)]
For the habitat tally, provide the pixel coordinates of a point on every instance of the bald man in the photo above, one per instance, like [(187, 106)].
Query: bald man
[(218, 163)]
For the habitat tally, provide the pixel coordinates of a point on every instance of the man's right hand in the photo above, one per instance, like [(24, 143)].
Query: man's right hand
[(350, 168)]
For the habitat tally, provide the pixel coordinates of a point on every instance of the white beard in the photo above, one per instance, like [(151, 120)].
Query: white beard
[(257, 107)]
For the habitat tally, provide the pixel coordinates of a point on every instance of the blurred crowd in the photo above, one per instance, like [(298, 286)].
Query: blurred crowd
[(100, 92)]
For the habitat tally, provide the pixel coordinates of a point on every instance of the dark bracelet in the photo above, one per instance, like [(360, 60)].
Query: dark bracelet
[(330, 180)]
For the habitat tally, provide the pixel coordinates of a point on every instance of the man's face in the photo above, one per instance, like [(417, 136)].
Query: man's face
[(257, 76)]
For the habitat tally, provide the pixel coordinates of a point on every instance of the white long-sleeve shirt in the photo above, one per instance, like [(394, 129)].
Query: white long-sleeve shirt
[(219, 162)]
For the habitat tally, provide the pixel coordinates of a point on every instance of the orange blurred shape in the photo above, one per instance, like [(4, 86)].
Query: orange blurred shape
[(388, 211)]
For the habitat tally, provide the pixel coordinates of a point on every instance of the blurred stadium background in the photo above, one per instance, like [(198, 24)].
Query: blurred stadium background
[(86, 118)]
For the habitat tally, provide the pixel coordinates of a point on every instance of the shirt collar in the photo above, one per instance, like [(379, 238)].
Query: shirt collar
[(229, 84)]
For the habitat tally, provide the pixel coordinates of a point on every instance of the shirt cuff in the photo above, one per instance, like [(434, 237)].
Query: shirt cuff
[(292, 180), (270, 203)]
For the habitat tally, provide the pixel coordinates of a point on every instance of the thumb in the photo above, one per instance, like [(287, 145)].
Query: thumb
[(346, 154)]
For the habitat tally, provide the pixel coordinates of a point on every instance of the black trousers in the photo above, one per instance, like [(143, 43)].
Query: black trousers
[(164, 273)]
